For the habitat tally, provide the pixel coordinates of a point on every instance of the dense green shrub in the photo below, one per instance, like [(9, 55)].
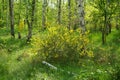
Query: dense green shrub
[(62, 44)]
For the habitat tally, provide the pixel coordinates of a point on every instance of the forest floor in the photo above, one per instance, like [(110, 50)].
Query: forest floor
[(17, 64)]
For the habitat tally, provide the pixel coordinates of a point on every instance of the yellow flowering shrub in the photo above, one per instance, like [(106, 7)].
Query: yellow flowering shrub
[(21, 25), (62, 44)]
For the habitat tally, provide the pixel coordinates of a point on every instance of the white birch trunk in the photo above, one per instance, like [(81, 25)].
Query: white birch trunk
[(81, 15)]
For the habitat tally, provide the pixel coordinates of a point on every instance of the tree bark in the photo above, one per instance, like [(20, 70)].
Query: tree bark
[(69, 14), (59, 12), (105, 28), (7, 14), (30, 23), (19, 17), (44, 5), (81, 15), (11, 12)]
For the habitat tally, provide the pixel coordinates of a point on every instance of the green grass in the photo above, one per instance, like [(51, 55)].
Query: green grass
[(17, 64)]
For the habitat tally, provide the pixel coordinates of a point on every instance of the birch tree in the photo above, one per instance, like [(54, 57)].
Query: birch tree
[(81, 15)]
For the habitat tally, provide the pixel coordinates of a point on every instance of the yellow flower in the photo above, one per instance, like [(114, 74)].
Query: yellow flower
[(71, 31), (90, 54)]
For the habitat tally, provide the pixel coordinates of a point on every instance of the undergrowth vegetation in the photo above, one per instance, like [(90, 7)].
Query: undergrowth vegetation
[(59, 40), (62, 44), (68, 50)]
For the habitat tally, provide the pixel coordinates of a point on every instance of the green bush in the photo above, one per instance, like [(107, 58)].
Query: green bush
[(61, 44)]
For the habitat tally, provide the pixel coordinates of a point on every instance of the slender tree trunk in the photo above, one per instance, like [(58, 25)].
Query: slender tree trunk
[(107, 22), (103, 36), (106, 26), (30, 24), (11, 17), (69, 14), (59, 12), (19, 17), (81, 15), (44, 5), (27, 12), (118, 19), (109, 19), (7, 14), (33, 12), (109, 25), (104, 30)]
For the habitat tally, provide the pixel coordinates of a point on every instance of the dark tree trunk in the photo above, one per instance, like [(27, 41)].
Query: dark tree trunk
[(104, 29), (19, 35), (103, 36), (19, 17), (30, 24), (44, 5), (29, 31), (59, 12), (11, 12), (110, 27), (69, 14)]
